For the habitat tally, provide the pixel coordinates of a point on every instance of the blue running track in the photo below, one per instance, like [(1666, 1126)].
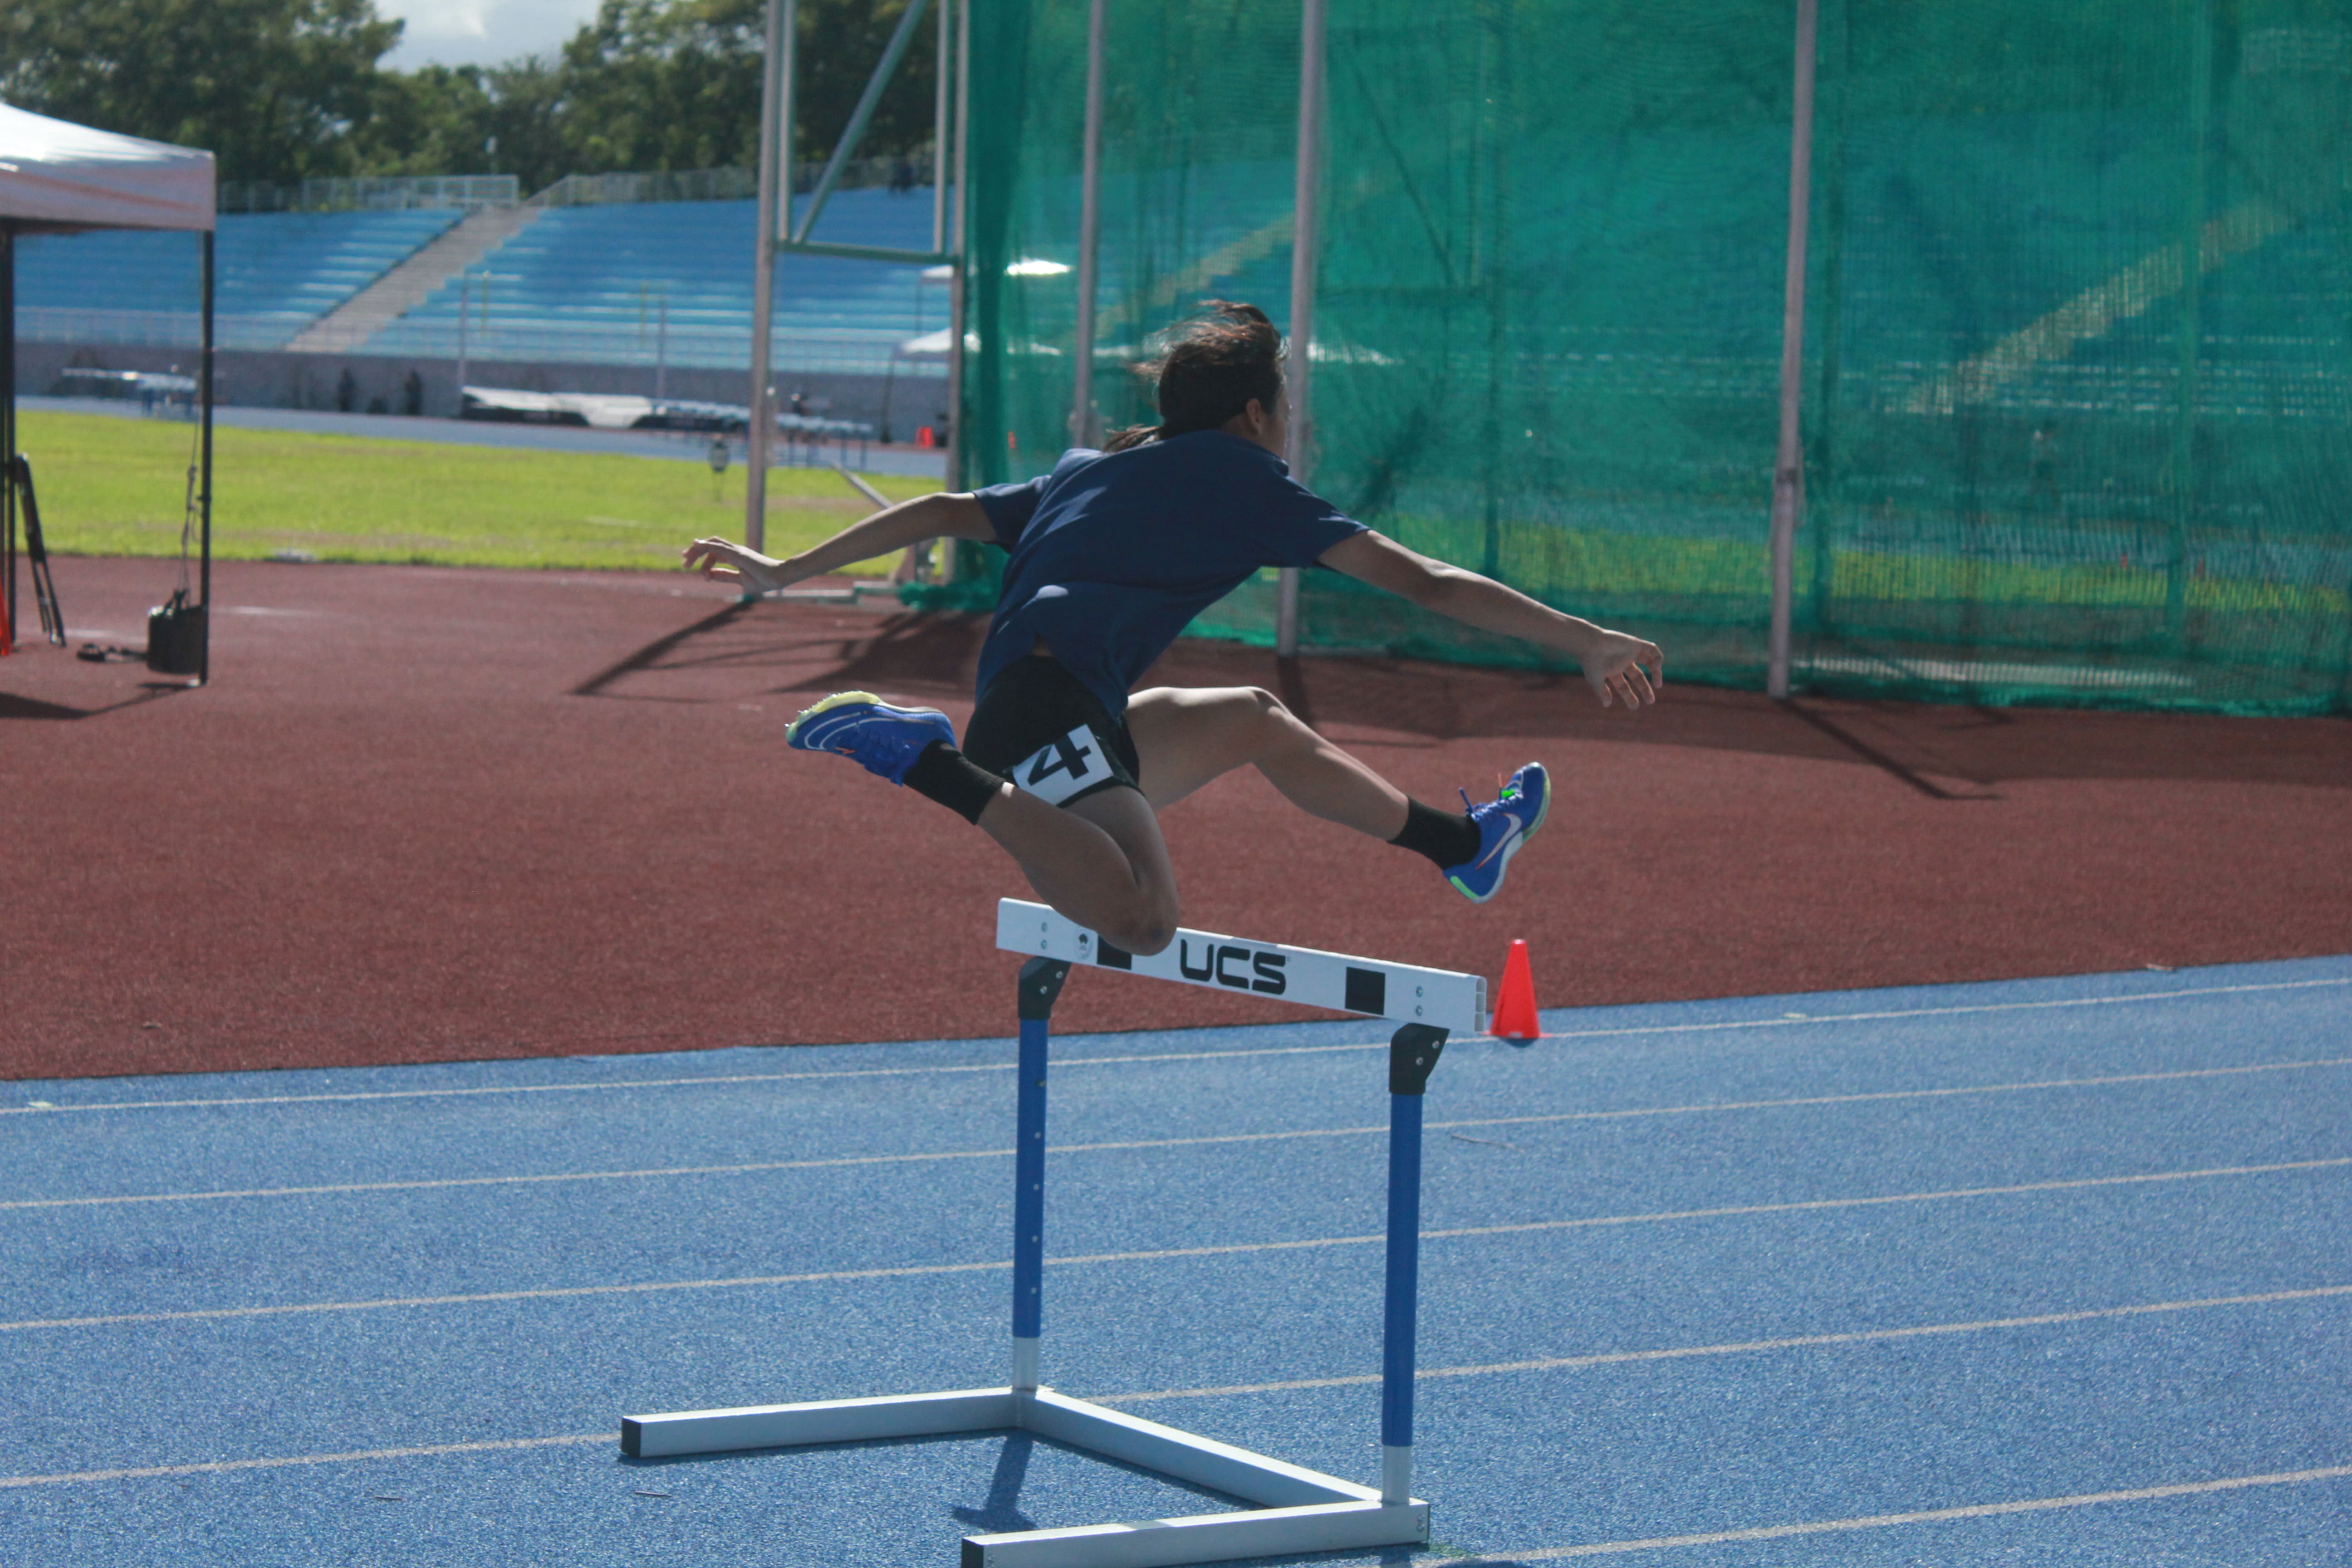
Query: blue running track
[(2054, 1272)]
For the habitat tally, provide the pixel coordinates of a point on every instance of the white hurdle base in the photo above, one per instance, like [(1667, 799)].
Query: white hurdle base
[(1300, 1509)]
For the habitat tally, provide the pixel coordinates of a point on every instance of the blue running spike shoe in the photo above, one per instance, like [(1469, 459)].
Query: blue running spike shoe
[(1503, 824), (857, 724)]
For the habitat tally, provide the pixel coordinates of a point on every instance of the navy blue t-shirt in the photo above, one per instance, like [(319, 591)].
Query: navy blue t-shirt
[(1114, 553)]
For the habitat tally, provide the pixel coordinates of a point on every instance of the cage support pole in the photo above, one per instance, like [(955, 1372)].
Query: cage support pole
[(941, 53), (958, 456), (2192, 290), (1305, 235), (901, 39), (1789, 464), (1082, 396), (774, 215)]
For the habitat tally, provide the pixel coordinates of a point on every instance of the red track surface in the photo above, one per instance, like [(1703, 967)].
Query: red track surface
[(425, 815)]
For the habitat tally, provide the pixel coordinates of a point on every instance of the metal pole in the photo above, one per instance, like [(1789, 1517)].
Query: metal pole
[(661, 351), (1082, 396), (775, 167), (1305, 232), (941, 77), (901, 39), (1788, 465), (1412, 1054), (464, 308), (1040, 984), (957, 456), (204, 477), (2192, 290)]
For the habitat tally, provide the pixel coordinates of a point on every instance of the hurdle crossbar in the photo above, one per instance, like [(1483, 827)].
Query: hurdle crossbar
[(1374, 987), (1294, 1509)]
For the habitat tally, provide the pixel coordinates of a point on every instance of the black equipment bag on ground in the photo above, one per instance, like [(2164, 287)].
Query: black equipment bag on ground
[(175, 636)]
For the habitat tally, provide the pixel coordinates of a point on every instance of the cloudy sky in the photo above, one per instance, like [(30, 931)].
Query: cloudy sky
[(480, 32)]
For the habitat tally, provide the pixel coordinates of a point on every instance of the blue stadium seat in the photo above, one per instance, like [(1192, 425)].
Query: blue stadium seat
[(590, 283), (277, 271)]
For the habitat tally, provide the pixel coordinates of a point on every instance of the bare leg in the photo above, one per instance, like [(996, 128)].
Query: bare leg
[(1100, 860), (1186, 738)]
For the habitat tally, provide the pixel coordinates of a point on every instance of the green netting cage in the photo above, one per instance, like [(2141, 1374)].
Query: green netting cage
[(2076, 393)]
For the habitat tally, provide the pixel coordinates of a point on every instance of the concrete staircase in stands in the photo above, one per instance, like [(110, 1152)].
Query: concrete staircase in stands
[(350, 325)]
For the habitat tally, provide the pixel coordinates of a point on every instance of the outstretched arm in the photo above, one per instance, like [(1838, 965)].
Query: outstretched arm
[(945, 516), (1621, 668)]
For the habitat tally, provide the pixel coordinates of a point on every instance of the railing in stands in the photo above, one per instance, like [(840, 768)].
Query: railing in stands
[(802, 350), (470, 193), (729, 184), (152, 329)]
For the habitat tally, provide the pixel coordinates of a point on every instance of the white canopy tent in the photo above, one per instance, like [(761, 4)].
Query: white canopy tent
[(60, 178)]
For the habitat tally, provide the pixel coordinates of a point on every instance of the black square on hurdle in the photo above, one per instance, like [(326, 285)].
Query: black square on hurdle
[(1367, 991)]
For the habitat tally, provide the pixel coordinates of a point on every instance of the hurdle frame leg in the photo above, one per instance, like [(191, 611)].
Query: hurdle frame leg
[(1413, 1056), (1039, 987), (1297, 1509)]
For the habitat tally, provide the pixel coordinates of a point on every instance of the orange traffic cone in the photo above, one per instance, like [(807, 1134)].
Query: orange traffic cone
[(1515, 1009)]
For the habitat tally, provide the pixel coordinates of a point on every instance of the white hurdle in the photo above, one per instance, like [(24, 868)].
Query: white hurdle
[(1297, 1509)]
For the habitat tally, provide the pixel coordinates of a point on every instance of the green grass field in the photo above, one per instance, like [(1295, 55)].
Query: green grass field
[(110, 486), (114, 486)]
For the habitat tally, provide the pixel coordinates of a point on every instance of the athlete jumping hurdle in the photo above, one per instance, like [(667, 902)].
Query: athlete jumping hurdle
[(1111, 555)]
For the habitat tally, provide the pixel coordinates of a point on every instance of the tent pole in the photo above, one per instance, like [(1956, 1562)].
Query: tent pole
[(204, 476), (1306, 202), (1787, 468), (8, 416)]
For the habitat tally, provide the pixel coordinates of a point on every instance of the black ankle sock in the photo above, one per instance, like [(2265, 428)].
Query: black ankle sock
[(945, 775), (1447, 838)]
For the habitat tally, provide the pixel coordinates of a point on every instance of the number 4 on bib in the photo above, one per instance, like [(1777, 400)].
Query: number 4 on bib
[(1060, 769)]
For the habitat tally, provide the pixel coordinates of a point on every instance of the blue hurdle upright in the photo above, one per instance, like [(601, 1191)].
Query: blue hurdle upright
[(1297, 1509)]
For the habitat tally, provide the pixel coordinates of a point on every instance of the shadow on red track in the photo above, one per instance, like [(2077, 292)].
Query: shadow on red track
[(1945, 752)]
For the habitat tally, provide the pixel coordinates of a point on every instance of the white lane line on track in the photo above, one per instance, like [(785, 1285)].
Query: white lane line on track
[(695, 1081), (1164, 1254), (1883, 1521), (690, 1081), (759, 1166), (218, 1466), (1744, 1347), (224, 1467)]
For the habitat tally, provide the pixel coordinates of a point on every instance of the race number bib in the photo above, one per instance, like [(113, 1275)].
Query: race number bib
[(1060, 769)]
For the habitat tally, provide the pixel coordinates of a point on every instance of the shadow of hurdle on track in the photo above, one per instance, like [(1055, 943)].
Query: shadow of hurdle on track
[(15, 707), (925, 655)]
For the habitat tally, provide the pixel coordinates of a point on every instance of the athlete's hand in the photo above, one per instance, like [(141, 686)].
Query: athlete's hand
[(1623, 669), (724, 558)]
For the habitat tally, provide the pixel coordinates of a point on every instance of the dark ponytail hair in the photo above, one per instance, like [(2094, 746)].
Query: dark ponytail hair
[(1220, 361)]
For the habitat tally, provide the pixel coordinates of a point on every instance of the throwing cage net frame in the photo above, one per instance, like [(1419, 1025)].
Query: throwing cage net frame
[(2074, 392)]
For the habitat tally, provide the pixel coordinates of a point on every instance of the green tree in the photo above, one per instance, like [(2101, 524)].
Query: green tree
[(675, 84), (470, 120), (285, 89), (274, 88)]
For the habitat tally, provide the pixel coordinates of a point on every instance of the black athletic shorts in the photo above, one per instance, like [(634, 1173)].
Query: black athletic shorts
[(1040, 726)]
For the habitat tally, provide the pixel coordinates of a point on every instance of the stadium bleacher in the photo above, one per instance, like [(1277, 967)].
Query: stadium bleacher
[(277, 272), (588, 284), (584, 284)]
